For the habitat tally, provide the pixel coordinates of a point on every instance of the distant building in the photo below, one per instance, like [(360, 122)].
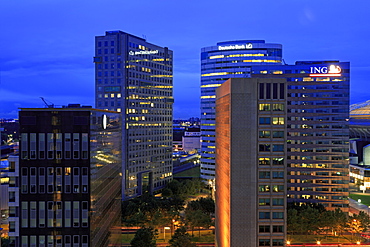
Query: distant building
[(69, 178), (191, 140), (134, 77)]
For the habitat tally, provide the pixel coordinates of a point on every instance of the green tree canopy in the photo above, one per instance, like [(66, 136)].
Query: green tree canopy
[(181, 238), (144, 237)]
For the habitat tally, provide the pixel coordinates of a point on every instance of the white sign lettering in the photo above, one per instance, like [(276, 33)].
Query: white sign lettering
[(192, 133), (332, 70), (236, 47), (132, 53)]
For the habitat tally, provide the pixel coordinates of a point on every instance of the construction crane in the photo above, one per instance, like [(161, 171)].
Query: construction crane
[(50, 105)]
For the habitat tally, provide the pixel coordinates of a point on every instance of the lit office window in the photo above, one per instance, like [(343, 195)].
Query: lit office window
[(264, 107)]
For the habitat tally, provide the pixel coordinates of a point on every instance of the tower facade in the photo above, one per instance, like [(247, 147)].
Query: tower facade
[(231, 59), (317, 149), (134, 77), (69, 178)]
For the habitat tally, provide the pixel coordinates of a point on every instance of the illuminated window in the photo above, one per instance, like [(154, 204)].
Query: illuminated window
[(264, 134), (276, 72), (265, 107), (278, 107), (278, 188), (264, 188), (278, 120), (277, 161), (264, 161)]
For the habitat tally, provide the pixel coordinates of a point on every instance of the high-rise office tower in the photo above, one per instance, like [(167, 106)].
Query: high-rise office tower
[(232, 59), (134, 77), (281, 134), (317, 129), (69, 178)]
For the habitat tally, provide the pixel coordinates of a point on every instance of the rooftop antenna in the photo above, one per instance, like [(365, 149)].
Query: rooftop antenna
[(144, 36), (50, 105)]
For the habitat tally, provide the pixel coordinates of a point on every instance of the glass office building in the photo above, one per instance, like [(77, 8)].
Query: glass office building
[(317, 139), (134, 77), (232, 59), (69, 178)]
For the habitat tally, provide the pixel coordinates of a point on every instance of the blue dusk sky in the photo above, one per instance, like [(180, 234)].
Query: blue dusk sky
[(47, 46)]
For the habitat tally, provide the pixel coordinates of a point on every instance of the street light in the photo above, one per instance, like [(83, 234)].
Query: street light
[(288, 242), (318, 242)]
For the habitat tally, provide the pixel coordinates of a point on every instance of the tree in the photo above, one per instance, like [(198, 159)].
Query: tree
[(181, 238), (166, 192), (339, 220), (197, 218), (364, 219), (144, 237)]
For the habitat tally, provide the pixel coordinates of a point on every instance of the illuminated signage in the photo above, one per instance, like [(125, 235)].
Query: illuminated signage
[(236, 47), (332, 70), (132, 53), (192, 134)]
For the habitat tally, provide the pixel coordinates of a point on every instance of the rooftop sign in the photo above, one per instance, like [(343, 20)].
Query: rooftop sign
[(236, 47), (132, 53), (332, 70)]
